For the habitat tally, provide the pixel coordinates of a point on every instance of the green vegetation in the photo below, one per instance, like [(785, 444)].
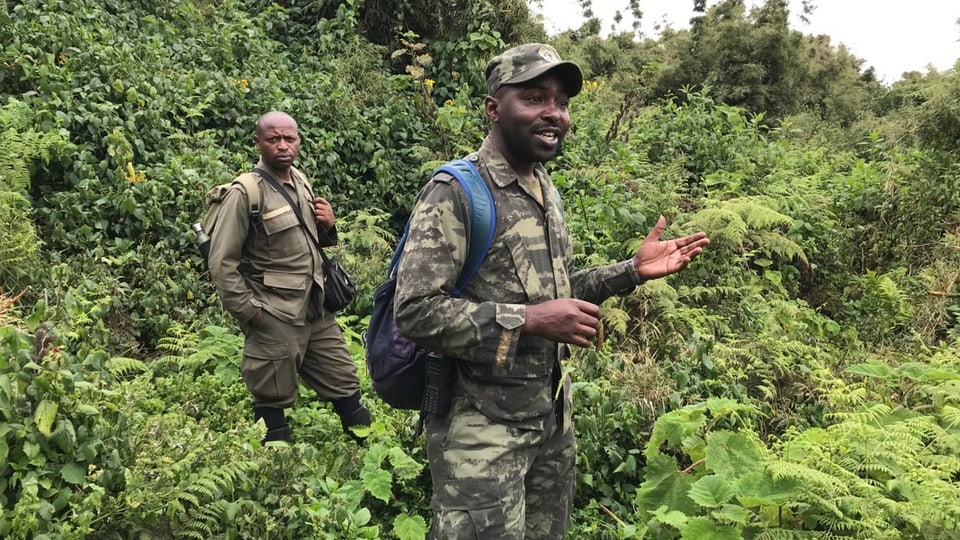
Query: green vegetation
[(800, 380)]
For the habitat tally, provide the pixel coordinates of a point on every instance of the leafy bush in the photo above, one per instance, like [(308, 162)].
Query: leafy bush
[(64, 443)]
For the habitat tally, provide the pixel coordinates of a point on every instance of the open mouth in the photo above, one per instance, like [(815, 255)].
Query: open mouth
[(548, 136)]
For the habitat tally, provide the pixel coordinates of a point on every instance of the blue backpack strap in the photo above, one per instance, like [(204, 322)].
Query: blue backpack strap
[(395, 259), (483, 221), (483, 217)]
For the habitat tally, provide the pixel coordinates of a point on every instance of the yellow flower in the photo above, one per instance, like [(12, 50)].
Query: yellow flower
[(428, 83), (132, 175)]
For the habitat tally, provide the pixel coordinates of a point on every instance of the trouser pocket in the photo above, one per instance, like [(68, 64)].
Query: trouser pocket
[(269, 369), (470, 509)]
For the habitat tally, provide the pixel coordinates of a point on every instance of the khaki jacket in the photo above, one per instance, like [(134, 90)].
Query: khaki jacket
[(272, 265)]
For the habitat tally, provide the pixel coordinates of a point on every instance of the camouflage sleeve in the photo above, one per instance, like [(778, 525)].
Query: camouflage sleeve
[(226, 251), (469, 329), (599, 283)]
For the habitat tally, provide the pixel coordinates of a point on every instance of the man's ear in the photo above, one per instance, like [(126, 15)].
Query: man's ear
[(491, 108)]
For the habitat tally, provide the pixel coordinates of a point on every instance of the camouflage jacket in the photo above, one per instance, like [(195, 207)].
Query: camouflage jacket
[(509, 376), (273, 265)]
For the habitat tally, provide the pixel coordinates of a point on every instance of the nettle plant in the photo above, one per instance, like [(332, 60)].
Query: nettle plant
[(885, 468)]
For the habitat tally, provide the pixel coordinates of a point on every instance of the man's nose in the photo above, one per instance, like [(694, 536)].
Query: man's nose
[(551, 110)]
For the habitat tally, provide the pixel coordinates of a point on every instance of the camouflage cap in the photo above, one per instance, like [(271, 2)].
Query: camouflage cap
[(527, 62)]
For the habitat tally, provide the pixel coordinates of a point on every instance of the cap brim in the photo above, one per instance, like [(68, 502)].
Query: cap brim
[(569, 73)]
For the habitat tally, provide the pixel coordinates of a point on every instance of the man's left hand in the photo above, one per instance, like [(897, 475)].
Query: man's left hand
[(657, 258), (323, 211)]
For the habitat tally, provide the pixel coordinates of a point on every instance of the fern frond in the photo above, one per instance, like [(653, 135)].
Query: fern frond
[(775, 244), (826, 482), (758, 213), (188, 497), (721, 225), (871, 415), (123, 366), (951, 416)]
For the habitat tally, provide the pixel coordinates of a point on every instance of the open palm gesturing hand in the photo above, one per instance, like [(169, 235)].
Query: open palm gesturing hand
[(657, 258)]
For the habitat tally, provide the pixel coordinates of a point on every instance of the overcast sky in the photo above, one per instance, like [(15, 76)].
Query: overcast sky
[(893, 36)]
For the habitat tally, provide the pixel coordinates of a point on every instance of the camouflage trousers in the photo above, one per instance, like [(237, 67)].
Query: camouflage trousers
[(492, 481)]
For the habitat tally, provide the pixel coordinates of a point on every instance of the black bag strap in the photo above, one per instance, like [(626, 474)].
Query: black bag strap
[(296, 210)]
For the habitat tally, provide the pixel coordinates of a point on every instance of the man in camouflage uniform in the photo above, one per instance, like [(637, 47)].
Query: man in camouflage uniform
[(502, 458), (269, 275)]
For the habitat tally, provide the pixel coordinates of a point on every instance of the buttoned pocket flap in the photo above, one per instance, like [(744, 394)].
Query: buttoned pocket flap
[(277, 280), (280, 220)]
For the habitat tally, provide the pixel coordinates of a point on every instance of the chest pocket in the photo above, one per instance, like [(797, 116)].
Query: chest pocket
[(526, 271), (286, 241), (279, 220)]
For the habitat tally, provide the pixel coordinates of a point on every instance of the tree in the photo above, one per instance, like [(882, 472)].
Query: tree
[(757, 62)]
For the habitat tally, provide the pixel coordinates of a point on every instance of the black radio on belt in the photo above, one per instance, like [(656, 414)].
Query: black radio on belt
[(436, 391)]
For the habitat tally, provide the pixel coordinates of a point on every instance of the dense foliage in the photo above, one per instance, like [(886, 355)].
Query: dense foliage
[(800, 380)]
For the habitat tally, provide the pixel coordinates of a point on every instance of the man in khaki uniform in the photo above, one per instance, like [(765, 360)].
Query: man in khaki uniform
[(502, 458), (269, 275)]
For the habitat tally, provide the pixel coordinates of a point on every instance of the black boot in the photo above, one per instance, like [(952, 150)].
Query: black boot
[(277, 434), (352, 413), (276, 422)]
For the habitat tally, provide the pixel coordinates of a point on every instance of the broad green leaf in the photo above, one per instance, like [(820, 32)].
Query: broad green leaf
[(362, 516), (73, 473), (671, 517), (665, 485), (704, 529), (374, 456), (65, 436), (88, 410), (732, 513), (732, 454), (44, 416), (404, 466), (409, 527), (712, 491), (352, 491), (672, 428), (873, 369), (379, 483), (5, 386), (760, 489), (230, 511), (31, 450)]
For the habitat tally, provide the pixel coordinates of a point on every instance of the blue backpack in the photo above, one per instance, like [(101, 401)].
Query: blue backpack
[(397, 366)]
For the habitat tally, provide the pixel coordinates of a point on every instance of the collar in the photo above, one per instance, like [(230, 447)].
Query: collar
[(501, 173), (294, 173)]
